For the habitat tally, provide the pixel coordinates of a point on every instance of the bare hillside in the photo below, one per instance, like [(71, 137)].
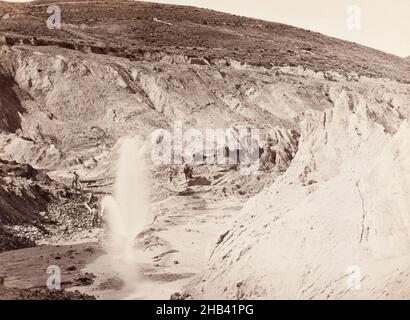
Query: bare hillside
[(141, 30)]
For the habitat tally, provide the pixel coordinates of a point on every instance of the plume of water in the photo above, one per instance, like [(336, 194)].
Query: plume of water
[(126, 213)]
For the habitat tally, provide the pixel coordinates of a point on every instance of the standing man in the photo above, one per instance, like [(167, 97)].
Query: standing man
[(75, 180), (93, 210), (188, 172)]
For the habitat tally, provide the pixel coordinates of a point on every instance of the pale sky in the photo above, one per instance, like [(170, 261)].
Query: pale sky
[(385, 24)]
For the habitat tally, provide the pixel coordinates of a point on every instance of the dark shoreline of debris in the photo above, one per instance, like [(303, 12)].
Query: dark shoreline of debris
[(41, 294)]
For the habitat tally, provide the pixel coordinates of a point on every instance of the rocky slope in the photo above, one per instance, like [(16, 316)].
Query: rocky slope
[(33, 206), (24, 193), (145, 31), (342, 204), (25, 294), (335, 189)]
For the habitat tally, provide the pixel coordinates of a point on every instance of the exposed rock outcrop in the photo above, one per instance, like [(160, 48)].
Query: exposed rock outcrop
[(340, 210)]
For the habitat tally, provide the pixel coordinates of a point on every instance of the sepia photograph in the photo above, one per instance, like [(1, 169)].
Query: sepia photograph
[(205, 150)]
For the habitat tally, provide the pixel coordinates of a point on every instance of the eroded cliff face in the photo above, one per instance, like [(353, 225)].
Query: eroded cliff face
[(65, 111), (332, 191), (72, 107), (340, 212), (340, 142)]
